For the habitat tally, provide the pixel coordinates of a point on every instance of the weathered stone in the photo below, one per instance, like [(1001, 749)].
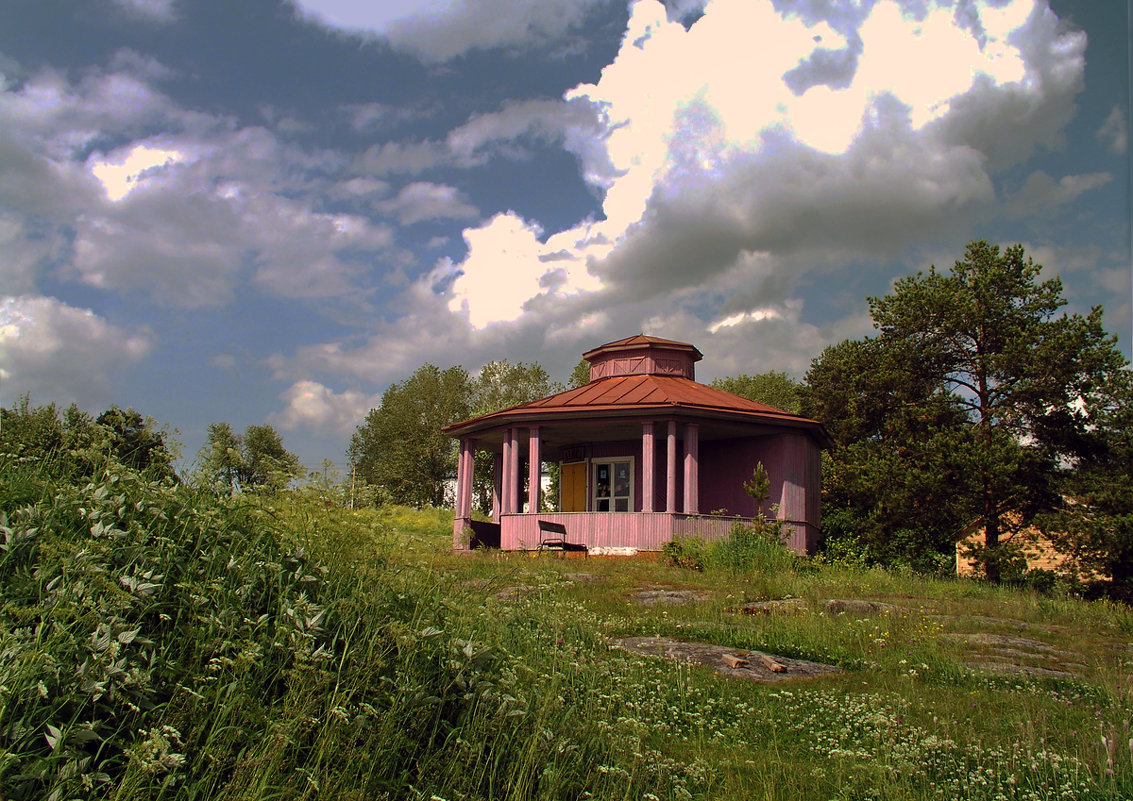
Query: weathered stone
[(754, 665), (981, 619), (508, 593), (1006, 641), (1013, 669), (858, 607), (771, 607), (585, 578), (669, 597)]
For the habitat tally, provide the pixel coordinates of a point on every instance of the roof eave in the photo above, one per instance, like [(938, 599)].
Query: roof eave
[(525, 415)]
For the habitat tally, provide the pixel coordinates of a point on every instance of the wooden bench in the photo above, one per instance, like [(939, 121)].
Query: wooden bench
[(553, 537)]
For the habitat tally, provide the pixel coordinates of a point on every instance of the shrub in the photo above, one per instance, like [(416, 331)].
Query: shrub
[(754, 548), (690, 553)]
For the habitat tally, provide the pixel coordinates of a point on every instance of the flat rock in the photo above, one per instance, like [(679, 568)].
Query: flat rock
[(585, 578), (668, 597), (732, 662), (981, 619), (771, 607), (1018, 653), (858, 607), (1007, 641), (508, 593), (1013, 669)]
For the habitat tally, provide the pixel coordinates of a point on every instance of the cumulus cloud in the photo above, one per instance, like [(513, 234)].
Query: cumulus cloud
[(428, 201), (185, 216), (315, 407), (1040, 191), (149, 10), (757, 134), (1114, 132), (575, 123), (125, 170), (439, 30), (60, 353), (25, 250), (506, 268)]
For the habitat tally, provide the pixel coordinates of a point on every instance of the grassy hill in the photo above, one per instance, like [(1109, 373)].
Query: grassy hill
[(161, 643)]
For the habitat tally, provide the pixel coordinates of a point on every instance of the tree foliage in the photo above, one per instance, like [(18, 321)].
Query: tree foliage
[(955, 418), (501, 385), (254, 460), (136, 440), (774, 388), (84, 443), (400, 448), (1093, 522), (580, 375)]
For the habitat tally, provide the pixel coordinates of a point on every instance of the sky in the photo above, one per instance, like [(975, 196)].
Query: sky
[(267, 211)]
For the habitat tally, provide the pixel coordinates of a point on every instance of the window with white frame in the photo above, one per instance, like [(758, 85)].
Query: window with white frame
[(613, 485)]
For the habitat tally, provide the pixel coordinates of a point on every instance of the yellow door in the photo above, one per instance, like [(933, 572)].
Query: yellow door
[(572, 487)]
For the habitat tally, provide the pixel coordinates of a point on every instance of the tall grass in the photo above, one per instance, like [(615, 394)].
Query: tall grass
[(161, 643)]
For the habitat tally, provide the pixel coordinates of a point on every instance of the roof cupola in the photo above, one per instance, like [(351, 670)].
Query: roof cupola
[(642, 355)]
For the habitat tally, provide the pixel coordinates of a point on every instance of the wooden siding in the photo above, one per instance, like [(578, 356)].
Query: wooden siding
[(645, 531), (640, 532)]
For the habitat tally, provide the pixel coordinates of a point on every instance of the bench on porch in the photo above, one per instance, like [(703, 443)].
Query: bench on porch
[(553, 537)]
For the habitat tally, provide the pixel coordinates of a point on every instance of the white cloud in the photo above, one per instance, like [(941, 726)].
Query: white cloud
[(1040, 191), (576, 123), (391, 158), (315, 407), (439, 30), (123, 171), (149, 10), (188, 239), (428, 201), (185, 216), (59, 353), (24, 252), (1114, 131), (756, 132), (500, 273), (508, 269)]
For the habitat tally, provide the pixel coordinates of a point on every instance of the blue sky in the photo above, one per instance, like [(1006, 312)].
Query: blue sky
[(269, 210)]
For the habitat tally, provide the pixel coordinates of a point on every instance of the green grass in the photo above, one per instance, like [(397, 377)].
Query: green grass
[(159, 643)]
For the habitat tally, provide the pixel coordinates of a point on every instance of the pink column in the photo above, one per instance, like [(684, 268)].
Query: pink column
[(511, 468), (508, 476), (647, 467), (465, 468), (692, 468), (534, 471), (671, 470), (497, 485)]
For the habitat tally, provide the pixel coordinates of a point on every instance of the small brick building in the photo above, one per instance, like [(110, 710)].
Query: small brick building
[(645, 453)]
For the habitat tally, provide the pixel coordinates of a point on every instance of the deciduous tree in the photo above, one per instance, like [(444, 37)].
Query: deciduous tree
[(254, 460), (773, 388), (400, 449), (501, 385)]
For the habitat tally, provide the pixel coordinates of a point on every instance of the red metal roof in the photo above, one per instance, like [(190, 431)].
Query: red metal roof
[(631, 394), (642, 341)]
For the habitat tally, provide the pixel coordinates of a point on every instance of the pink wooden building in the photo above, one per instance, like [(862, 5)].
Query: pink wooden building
[(645, 452)]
